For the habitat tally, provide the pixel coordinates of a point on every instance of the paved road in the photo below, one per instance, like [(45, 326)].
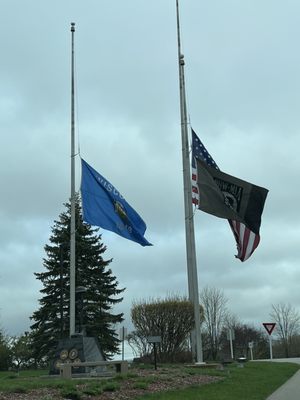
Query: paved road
[(291, 389), (291, 360)]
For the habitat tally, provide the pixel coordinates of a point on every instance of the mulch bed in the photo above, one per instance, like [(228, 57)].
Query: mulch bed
[(161, 380)]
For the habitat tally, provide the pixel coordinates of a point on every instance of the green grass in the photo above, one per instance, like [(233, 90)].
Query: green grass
[(111, 387), (23, 374), (25, 381), (256, 381), (141, 385)]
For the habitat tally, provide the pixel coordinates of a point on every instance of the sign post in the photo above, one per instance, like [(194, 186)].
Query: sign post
[(250, 345), (269, 327), (122, 336), (154, 340)]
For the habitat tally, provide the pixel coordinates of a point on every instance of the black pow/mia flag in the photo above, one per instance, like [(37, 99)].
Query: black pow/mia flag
[(228, 197)]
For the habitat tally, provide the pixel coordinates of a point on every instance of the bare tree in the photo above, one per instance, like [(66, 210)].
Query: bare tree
[(214, 303), (139, 344), (288, 322), (231, 321)]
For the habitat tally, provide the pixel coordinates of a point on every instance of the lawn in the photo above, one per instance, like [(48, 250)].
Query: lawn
[(256, 381), (253, 382)]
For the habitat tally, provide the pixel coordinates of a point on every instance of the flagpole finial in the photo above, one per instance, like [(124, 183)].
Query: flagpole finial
[(72, 26)]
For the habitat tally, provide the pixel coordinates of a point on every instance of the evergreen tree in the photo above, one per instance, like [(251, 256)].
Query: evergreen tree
[(94, 313)]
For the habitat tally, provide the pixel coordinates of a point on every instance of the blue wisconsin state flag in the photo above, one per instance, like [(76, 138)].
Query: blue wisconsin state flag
[(104, 206)]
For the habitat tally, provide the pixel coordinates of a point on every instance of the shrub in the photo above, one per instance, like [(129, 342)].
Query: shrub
[(71, 394), (141, 385), (111, 387)]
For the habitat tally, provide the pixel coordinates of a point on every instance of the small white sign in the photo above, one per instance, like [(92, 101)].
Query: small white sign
[(154, 339), (230, 334)]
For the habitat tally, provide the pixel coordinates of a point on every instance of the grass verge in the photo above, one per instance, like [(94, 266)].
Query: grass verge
[(256, 381)]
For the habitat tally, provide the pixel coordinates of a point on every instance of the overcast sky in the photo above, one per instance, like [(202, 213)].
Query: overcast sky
[(243, 92)]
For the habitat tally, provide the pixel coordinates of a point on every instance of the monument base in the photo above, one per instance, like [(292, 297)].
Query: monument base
[(77, 348)]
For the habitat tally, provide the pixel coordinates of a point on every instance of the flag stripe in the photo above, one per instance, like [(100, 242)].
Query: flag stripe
[(195, 190), (246, 240)]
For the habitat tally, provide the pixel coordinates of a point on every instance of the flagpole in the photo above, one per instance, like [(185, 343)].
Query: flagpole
[(72, 225), (188, 208)]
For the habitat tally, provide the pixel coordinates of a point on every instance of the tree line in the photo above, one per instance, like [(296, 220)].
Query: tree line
[(171, 318)]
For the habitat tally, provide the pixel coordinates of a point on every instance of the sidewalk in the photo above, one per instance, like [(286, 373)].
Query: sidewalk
[(290, 390)]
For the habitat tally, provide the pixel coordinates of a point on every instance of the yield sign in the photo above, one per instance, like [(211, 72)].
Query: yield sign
[(269, 327)]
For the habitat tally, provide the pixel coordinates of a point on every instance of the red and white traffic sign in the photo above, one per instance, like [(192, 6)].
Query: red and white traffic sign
[(269, 327)]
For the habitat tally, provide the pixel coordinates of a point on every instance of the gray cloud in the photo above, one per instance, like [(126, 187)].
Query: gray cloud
[(242, 86)]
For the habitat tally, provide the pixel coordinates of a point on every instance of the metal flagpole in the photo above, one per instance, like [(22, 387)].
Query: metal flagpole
[(188, 208), (72, 228)]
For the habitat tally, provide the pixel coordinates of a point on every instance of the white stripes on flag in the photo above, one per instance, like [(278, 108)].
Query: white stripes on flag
[(246, 240), (195, 190)]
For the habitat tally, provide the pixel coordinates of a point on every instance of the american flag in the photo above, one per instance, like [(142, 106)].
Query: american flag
[(246, 240)]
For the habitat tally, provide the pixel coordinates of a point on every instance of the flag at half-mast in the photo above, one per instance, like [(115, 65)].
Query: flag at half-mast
[(104, 206), (228, 197)]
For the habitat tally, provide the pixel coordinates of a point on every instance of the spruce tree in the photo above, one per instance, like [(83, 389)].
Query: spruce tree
[(51, 320)]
